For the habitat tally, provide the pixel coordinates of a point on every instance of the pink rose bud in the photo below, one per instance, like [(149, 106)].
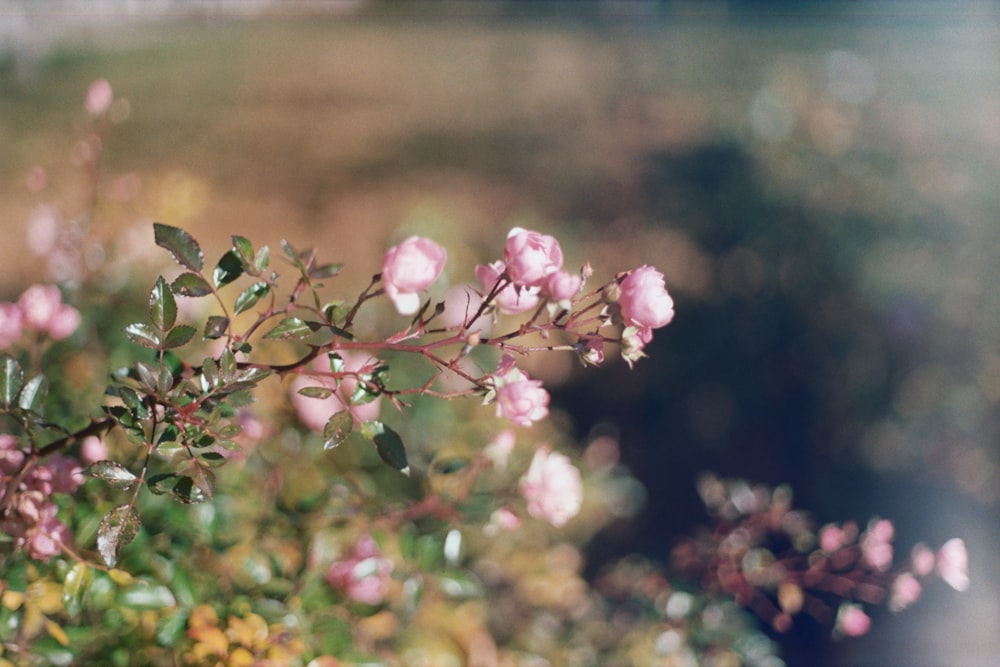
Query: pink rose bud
[(409, 268), (922, 560), (11, 324), (852, 621), (531, 257), (553, 488), (953, 564), (644, 301), (563, 285), (592, 351), (511, 299), (39, 304), (522, 402), (905, 591), (99, 97)]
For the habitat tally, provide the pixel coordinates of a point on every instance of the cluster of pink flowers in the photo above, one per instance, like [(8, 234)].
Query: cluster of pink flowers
[(40, 308), (519, 399), (553, 487), (363, 575), (30, 514)]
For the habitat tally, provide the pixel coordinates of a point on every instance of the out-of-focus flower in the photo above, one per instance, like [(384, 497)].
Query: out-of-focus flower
[(44, 226), (905, 591), (553, 487), (922, 560), (92, 450), (500, 447), (461, 302), (644, 301), (876, 545), (409, 268), (831, 538), (510, 299), (42, 310), (11, 456), (531, 257), (852, 621), (99, 97), (502, 519), (523, 402), (364, 575), (563, 286), (315, 412), (953, 564), (11, 324)]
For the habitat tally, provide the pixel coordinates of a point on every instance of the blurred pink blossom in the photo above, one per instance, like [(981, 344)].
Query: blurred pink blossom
[(831, 538), (44, 226), (92, 450), (511, 299), (922, 560), (953, 564), (563, 286), (553, 487), (11, 324), (502, 519), (499, 449), (409, 268), (852, 621), (364, 574), (876, 545), (99, 97), (644, 301), (11, 456), (42, 310), (461, 302), (36, 179), (523, 401), (905, 591), (315, 412), (531, 257)]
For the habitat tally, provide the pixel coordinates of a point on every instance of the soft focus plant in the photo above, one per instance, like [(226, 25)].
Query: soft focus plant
[(368, 516)]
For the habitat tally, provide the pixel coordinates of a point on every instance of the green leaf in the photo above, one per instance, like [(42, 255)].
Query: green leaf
[(216, 327), (148, 596), (112, 472), (11, 377), (187, 492), (170, 629), (244, 250), (316, 392), (337, 429), (324, 271), (181, 245), (33, 393), (143, 334), (178, 336), (388, 444), (162, 307), (228, 269), (147, 374), (227, 365), (161, 483), (76, 582), (262, 259), (118, 528), (134, 402), (250, 296), (292, 328), (190, 284), (213, 459)]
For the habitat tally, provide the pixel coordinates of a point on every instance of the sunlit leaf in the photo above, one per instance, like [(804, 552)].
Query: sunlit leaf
[(244, 250), (262, 259), (33, 393), (112, 472), (143, 334), (76, 582), (250, 296), (316, 392), (11, 377), (181, 245), (228, 269), (190, 284), (162, 307), (292, 328), (324, 271), (178, 336), (216, 327), (118, 528), (337, 428)]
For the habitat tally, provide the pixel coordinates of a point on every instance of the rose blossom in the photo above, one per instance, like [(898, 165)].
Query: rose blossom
[(531, 257), (510, 299), (408, 268), (11, 324), (644, 301), (552, 487), (563, 285), (953, 564), (522, 401), (905, 591), (315, 412), (99, 97), (852, 621)]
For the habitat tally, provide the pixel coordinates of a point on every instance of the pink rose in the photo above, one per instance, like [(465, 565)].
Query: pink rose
[(552, 487), (522, 401), (852, 621), (511, 299), (39, 304), (563, 285), (905, 591), (11, 324), (644, 301), (316, 412), (99, 96), (953, 564), (531, 257), (408, 268)]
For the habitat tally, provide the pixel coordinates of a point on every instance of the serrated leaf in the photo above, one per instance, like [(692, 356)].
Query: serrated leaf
[(316, 392), (181, 245), (388, 444), (164, 379), (162, 307), (190, 284), (112, 472), (187, 492), (292, 328), (147, 375), (118, 528), (161, 483), (33, 393), (228, 269), (11, 378), (133, 402), (213, 459), (178, 336), (216, 327), (227, 365), (143, 334), (250, 296), (337, 428), (244, 250)]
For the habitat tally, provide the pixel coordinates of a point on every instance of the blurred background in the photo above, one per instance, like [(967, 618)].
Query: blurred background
[(818, 182)]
